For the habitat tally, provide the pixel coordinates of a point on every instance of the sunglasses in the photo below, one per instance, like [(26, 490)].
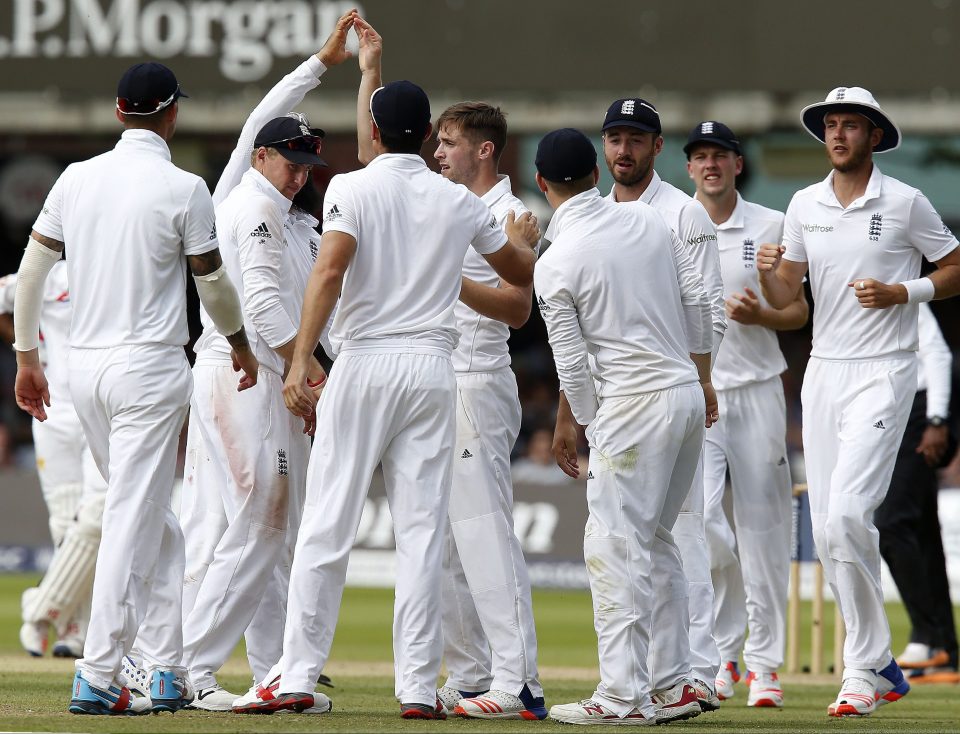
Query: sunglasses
[(301, 143), (128, 107)]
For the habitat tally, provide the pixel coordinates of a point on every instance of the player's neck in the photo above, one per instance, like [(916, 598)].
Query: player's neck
[(719, 208), (623, 194), (848, 186), (486, 179)]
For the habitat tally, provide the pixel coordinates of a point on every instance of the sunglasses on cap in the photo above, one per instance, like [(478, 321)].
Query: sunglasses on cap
[(128, 107), (302, 143)]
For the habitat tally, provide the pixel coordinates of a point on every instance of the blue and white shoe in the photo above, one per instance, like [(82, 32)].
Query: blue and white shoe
[(169, 692), (891, 685), (114, 701)]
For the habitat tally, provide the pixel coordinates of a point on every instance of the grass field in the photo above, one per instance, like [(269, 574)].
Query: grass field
[(34, 693)]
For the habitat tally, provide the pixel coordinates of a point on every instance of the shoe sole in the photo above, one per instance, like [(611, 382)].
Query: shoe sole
[(845, 710), (766, 703), (425, 715), (290, 702), (168, 707), (605, 722), (217, 708), (64, 652), (95, 708), (687, 712)]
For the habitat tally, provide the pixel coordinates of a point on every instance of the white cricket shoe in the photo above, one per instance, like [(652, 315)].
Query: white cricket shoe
[(33, 635), (857, 695), (134, 677), (501, 705), (213, 698), (706, 697), (449, 697), (728, 675), (765, 690), (258, 698), (590, 712), (677, 703)]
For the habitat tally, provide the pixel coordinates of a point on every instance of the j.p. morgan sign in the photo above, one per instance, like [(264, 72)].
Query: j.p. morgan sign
[(242, 36)]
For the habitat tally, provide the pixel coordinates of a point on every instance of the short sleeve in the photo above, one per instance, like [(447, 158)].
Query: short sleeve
[(339, 211), (199, 222), (50, 221), (490, 235), (793, 235), (927, 232)]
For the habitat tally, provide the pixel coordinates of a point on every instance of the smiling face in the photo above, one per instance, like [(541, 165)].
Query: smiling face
[(850, 140), (458, 155), (629, 153), (714, 169)]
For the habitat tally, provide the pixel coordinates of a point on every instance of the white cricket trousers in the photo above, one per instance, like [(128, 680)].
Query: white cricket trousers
[(396, 408), (854, 416), (643, 455), (489, 636), (132, 402), (247, 438), (750, 568)]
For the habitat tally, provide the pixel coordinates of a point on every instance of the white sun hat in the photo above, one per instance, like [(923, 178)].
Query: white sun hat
[(851, 99)]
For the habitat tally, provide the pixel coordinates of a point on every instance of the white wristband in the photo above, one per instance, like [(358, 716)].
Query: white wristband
[(919, 290)]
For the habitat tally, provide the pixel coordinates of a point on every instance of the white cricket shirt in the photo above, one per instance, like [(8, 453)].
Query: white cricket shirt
[(881, 235), (483, 341), (412, 229), (55, 313), (691, 223), (128, 217), (934, 364), (616, 284), (252, 228), (752, 353)]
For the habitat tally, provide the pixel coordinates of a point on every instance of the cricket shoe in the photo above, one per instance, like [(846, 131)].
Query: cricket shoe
[(728, 675), (134, 677), (33, 635), (68, 647), (916, 655), (450, 697), (677, 703), (113, 701), (765, 690), (296, 702), (706, 697), (258, 700), (588, 711), (858, 694), (891, 685), (169, 692), (213, 698), (502, 705), (423, 711)]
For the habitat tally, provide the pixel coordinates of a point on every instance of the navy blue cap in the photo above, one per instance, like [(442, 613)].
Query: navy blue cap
[(565, 155), (714, 133), (401, 109), (633, 112), (147, 88), (293, 138)]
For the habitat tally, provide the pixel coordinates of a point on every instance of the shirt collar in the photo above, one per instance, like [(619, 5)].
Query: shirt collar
[(648, 193), (145, 140), (261, 183), (827, 196), (735, 220), (568, 209), (500, 189), (399, 160)]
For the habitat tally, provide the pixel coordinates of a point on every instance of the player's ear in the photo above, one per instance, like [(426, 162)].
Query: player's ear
[(486, 150), (120, 116), (739, 168), (541, 183)]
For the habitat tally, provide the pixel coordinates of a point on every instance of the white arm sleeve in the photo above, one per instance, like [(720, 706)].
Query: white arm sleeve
[(699, 234), (220, 300), (936, 362), (285, 95), (38, 260), (697, 314)]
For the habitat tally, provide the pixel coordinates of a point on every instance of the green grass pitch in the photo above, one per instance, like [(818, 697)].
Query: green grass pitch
[(34, 692)]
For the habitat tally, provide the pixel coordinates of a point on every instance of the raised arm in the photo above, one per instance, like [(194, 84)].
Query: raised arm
[(287, 94), (371, 79)]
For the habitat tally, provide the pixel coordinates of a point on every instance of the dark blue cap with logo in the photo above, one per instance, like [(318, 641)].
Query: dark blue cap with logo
[(565, 155), (401, 109), (712, 133), (293, 138), (147, 88), (633, 112)]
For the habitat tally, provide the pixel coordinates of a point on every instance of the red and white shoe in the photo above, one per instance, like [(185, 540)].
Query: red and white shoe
[(857, 695), (677, 703), (765, 690), (264, 699), (728, 675), (499, 705), (589, 712)]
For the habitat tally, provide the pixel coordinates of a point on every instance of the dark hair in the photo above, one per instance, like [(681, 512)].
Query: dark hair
[(479, 121), (572, 188), (401, 143)]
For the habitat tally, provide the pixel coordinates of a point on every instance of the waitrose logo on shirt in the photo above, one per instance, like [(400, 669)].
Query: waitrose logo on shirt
[(817, 228), (700, 239)]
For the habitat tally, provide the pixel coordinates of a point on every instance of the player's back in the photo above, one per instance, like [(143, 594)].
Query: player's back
[(123, 216), (412, 229)]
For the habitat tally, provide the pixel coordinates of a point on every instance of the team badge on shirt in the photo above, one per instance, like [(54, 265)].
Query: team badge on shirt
[(262, 232), (876, 227), (749, 253)]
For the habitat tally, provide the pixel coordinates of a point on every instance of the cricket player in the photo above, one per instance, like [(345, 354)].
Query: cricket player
[(616, 283), (72, 487), (750, 569), (861, 235), (631, 141), (908, 521), (247, 453), (131, 219), (490, 641)]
